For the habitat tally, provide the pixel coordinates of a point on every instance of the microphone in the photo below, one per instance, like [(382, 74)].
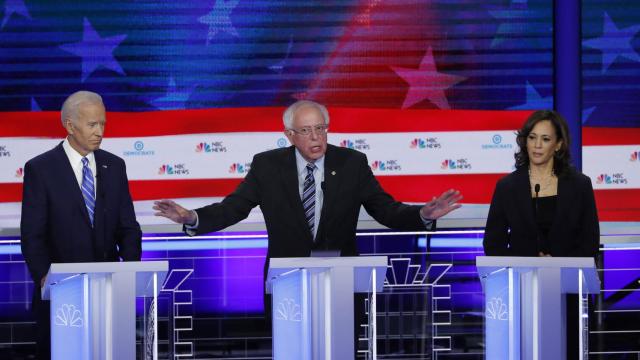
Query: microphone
[(322, 186)]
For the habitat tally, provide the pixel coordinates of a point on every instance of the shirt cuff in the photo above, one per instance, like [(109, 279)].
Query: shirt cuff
[(427, 222), (191, 229)]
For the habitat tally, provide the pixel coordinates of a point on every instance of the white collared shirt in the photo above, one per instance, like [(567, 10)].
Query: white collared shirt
[(318, 176), (75, 159)]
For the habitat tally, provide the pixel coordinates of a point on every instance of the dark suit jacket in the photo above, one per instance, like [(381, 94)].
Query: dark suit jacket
[(272, 183), (511, 228), (55, 225)]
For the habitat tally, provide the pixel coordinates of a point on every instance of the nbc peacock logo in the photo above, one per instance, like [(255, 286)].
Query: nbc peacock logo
[(425, 143), (211, 147), (613, 179), (603, 179), (165, 170), (203, 147), (19, 173), (386, 165), (418, 144), (459, 164), (360, 144), (237, 168), (173, 169), (634, 156), (346, 144)]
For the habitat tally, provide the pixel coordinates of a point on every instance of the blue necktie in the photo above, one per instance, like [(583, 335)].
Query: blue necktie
[(309, 197), (88, 189)]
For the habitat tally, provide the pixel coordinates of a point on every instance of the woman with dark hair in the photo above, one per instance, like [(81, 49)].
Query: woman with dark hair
[(545, 207)]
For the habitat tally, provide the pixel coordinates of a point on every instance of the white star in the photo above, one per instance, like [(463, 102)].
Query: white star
[(427, 83), (218, 19)]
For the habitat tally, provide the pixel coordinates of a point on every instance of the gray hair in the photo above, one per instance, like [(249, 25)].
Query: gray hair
[(73, 102), (287, 117)]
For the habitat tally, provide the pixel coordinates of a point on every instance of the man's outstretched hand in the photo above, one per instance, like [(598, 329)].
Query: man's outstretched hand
[(442, 205), (174, 212)]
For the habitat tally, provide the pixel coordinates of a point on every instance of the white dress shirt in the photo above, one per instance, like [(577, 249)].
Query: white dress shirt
[(75, 159)]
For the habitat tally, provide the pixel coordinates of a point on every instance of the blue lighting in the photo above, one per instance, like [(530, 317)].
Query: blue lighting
[(204, 245), (451, 242)]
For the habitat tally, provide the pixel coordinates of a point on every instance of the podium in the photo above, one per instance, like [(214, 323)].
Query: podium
[(525, 307), (93, 308), (312, 304)]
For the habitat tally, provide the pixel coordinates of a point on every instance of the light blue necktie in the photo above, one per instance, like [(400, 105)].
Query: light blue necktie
[(309, 197), (88, 189)]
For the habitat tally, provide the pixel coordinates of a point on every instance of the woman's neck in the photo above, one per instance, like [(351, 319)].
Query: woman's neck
[(541, 171)]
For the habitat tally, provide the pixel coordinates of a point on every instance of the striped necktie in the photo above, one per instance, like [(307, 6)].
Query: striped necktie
[(309, 197), (88, 189)]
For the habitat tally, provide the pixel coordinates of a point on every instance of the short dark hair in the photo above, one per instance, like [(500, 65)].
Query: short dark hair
[(562, 157)]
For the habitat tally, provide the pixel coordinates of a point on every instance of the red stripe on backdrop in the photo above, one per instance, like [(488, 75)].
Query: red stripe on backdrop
[(613, 205), (258, 119), (476, 188), (593, 136), (618, 205)]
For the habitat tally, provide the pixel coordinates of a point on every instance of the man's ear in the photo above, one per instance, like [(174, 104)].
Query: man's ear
[(288, 134), (68, 125)]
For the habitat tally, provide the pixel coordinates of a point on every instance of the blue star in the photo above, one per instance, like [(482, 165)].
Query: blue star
[(277, 67), (586, 113), (534, 101), (512, 20), (95, 51), (34, 105), (14, 7), (218, 19), (614, 42), (173, 99)]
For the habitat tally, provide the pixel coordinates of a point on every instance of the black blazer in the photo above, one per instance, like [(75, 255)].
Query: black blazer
[(511, 228), (272, 184), (55, 225)]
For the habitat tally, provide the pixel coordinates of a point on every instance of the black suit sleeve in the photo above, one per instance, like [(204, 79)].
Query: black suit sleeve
[(233, 208), (589, 238), (33, 224), (382, 206), (129, 233), (496, 238)]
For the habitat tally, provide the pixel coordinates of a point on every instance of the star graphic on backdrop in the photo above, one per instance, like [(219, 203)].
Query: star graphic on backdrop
[(426, 82), (174, 98), (534, 100), (218, 19), (512, 20), (34, 105), (614, 42), (586, 113), (95, 51), (14, 7), (277, 67)]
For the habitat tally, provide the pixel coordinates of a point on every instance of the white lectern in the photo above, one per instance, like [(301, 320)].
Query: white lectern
[(525, 307), (313, 304), (93, 308)]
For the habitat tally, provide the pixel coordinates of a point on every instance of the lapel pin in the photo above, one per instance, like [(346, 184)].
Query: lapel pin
[(333, 173), (104, 166)]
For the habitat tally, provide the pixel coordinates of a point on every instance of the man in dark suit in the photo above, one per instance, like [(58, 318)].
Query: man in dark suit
[(310, 194), (76, 205)]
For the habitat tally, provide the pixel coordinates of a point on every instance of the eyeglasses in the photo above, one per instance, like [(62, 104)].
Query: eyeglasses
[(307, 130)]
